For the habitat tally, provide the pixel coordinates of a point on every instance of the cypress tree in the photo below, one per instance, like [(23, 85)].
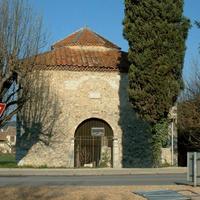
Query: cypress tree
[(156, 31)]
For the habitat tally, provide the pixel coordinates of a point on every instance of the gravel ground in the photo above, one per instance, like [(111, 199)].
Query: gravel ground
[(82, 193)]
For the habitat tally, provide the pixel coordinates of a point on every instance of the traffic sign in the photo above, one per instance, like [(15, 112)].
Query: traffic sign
[(2, 108)]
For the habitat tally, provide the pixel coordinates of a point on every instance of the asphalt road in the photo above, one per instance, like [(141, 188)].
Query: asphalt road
[(151, 179)]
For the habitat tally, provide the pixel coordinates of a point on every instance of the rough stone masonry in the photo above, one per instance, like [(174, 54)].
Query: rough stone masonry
[(83, 77)]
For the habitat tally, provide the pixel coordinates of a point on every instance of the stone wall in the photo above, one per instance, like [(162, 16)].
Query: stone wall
[(72, 98), (166, 156)]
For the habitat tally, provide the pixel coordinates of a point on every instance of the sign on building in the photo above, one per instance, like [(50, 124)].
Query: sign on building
[(98, 131)]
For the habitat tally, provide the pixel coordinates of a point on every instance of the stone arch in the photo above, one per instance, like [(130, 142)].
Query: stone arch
[(96, 116), (93, 144)]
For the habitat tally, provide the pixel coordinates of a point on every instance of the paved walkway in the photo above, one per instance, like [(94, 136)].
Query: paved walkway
[(88, 171)]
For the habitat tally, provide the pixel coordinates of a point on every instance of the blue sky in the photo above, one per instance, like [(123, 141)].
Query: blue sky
[(192, 11), (62, 17)]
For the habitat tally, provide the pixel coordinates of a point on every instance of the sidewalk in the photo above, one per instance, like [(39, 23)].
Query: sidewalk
[(86, 172)]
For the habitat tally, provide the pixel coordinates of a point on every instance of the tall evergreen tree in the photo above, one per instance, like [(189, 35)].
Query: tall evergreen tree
[(156, 31)]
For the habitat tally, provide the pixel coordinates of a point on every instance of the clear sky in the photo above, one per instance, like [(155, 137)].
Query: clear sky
[(192, 11), (62, 17)]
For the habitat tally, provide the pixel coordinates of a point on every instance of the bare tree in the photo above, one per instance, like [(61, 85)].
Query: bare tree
[(21, 37), (189, 111)]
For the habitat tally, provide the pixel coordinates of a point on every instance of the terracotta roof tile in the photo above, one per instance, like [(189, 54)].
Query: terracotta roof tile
[(85, 37), (83, 50), (3, 137), (66, 58)]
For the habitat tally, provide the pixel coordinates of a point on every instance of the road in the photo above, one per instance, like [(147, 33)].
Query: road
[(150, 179)]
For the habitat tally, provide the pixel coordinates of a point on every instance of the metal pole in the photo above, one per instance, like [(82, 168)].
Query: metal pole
[(188, 166), (172, 143), (195, 169)]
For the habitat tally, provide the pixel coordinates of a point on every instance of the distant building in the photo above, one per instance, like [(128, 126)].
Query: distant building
[(82, 116), (8, 138)]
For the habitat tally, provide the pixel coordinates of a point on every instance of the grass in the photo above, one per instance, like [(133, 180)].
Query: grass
[(7, 161)]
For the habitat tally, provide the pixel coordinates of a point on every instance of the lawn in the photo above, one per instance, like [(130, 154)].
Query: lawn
[(7, 160)]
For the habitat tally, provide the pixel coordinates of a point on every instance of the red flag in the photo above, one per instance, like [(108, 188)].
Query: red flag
[(2, 108)]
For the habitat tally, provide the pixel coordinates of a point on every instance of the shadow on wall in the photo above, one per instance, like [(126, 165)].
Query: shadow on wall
[(36, 121), (136, 138)]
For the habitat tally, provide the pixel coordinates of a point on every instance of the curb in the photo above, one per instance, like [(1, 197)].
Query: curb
[(89, 172)]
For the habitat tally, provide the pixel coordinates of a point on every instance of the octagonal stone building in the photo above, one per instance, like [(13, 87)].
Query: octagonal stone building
[(79, 115)]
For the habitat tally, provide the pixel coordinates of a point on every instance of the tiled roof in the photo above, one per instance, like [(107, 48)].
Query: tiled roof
[(66, 58), (83, 50), (9, 124), (85, 37), (10, 130), (3, 137)]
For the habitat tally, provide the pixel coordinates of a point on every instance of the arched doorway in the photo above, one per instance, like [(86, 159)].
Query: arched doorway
[(93, 144)]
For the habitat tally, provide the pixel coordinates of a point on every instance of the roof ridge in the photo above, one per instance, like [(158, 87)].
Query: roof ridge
[(84, 37), (98, 36), (77, 36), (67, 36), (104, 39)]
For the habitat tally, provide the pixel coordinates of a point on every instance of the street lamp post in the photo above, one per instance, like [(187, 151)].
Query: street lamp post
[(172, 143)]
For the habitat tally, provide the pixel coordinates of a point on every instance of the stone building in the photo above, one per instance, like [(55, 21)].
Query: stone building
[(8, 138), (81, 116)]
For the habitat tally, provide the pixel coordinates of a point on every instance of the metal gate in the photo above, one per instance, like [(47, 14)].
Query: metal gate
[(93, 144)]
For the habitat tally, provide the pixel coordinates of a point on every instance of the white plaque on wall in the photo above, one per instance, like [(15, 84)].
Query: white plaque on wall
[(98, 131), (94, 95)]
